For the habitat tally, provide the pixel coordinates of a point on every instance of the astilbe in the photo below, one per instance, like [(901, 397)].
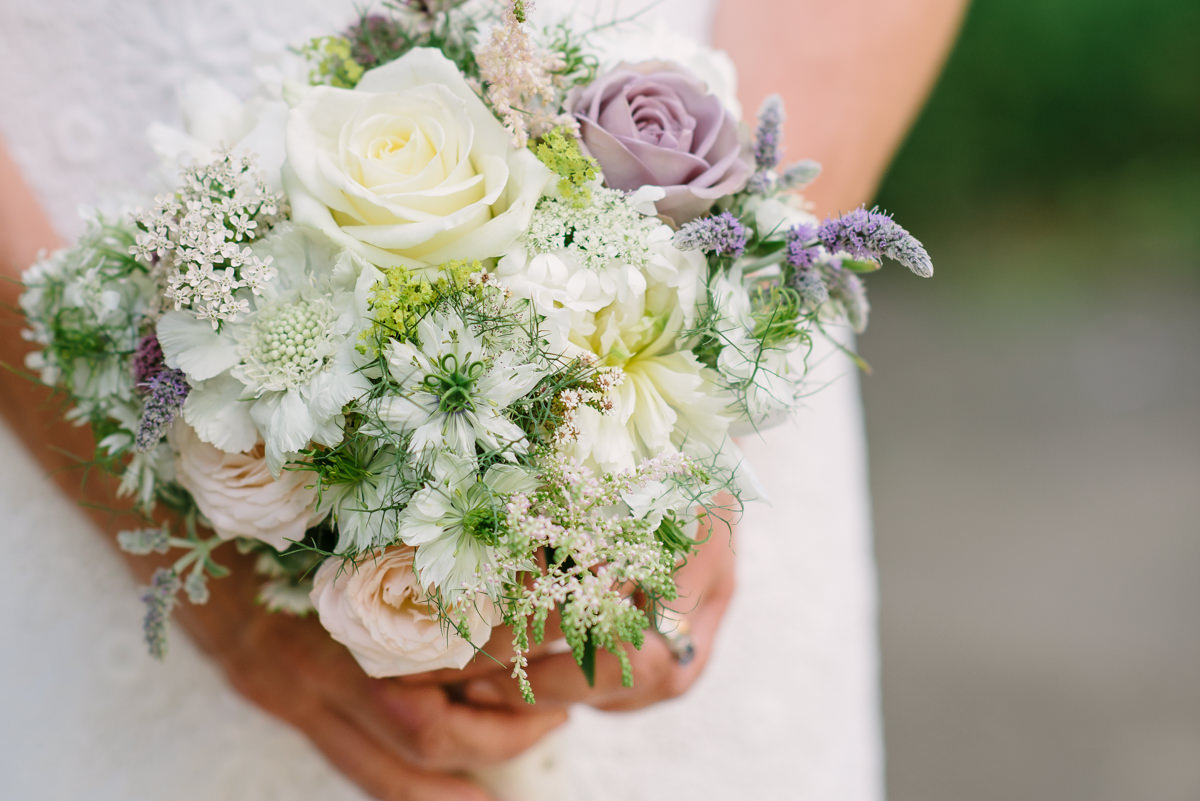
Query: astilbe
[(197, 240), (520, 77), (589, 554)]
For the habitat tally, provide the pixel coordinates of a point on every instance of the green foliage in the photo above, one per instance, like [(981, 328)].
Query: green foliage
[(332, 62), (579, 65), (1065, 96), (776, 312), (380, 38), (404, 298), (559, 150)]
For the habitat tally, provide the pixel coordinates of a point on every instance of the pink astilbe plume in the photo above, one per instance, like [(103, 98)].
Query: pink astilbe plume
[(520, 78)]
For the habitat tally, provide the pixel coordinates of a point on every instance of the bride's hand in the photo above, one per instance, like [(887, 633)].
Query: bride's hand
[(393, 740), (706, 584)]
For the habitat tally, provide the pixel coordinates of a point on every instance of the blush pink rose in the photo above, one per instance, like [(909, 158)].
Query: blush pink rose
[(654, 123), (238, 494), (377, 609)]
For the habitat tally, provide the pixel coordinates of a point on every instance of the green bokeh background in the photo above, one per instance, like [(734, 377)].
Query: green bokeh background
[(1092, 104)]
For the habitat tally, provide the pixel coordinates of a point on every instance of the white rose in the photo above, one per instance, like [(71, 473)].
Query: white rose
[(377, 609), (410, 168), (238, 494)]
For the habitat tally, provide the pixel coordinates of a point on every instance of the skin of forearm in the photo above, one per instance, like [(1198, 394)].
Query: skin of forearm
[(32, 411), (852, 75)]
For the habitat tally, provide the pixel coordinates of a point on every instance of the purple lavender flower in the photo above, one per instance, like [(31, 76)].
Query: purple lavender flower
[(769, 135), (166, 392), (802, 247), (722, 234), (872, 235), (160, 598), (147, 360)]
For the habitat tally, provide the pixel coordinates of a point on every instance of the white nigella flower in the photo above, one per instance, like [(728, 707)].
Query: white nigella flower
[(653, 500), (285, 371), (759, 379), (453, 392), (454, 521), (366, 510)]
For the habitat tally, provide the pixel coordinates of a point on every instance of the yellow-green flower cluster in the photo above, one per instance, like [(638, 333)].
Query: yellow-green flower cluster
[(404, 297), (560, 151), (332, 62)]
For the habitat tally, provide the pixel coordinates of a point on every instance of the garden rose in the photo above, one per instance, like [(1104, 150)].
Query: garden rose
[(238, 494), (377, 609), (654, 123), (410, 168)]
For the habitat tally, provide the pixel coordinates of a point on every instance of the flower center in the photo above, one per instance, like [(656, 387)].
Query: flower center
[(289, 344), (483, 524), (453, 383)]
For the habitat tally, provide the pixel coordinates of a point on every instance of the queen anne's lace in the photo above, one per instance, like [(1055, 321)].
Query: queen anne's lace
[(607, 230), (196, 239)]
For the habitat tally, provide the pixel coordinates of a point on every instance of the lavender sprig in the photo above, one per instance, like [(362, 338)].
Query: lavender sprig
[(160, 598), (872, 235), (167, 390), (802, 248), (768, 137), (799, 175), (722, 234)]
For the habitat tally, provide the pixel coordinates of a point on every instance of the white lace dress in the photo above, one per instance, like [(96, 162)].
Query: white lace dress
[(788, 708)]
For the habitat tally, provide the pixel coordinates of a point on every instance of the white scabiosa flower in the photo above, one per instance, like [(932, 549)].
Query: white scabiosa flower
[(285, 371), (454, 521), (452, 392)]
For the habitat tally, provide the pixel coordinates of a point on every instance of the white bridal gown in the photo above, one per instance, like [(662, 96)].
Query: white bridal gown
[(788, 708)]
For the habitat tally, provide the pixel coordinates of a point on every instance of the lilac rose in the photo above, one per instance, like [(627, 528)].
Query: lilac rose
[(654, 123)]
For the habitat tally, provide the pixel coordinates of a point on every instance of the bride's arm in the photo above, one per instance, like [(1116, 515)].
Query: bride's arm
[(376, 732), (852, 75)]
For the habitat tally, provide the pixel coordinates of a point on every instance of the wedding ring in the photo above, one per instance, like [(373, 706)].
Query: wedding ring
[(679, 640)]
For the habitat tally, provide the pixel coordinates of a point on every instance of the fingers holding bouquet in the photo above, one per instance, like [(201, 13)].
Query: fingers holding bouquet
[(669, 661)]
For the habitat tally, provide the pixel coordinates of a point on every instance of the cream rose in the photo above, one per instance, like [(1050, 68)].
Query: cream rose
[(238, 494), (377, 609), (409, 168)]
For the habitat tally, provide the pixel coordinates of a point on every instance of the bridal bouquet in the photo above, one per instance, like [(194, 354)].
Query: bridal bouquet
[(452, 331)]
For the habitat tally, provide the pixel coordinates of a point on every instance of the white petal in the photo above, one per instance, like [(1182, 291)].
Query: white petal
[(215, 410), (191, 345)]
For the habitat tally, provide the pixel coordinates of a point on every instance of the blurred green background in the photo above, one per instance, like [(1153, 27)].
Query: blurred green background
[(1034, 414)]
